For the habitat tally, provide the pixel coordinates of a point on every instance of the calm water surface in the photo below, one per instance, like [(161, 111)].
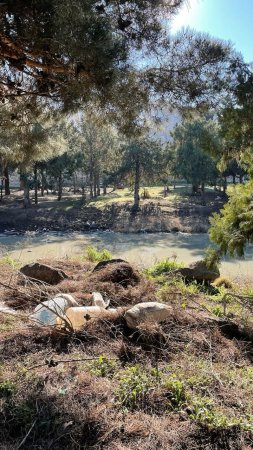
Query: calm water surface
[(141, 249)]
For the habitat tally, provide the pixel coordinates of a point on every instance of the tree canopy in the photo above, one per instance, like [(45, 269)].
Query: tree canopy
[(191, 143), (232, 229), (59, 48), (116, 51)]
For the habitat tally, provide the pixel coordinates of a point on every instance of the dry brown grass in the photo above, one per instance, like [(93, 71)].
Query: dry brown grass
[(70, 406)]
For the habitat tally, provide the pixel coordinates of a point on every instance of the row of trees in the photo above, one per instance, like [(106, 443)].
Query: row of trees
[(118, 57), (94, 154)]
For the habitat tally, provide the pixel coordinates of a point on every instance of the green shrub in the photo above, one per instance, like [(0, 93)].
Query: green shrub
[(212, 258), (204, 412), (163, 267), (94, 255), (10, 261), (7, 388), (217, 311), (176, 391), (133, 388), (103, 367)]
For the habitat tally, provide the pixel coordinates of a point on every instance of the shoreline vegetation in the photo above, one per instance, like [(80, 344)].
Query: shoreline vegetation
[(183, 383)]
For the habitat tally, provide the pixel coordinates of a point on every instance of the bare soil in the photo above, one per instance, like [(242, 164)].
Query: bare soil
[(188, 213)]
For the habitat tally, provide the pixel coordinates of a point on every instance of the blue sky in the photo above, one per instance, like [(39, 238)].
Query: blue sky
[(231, 20)]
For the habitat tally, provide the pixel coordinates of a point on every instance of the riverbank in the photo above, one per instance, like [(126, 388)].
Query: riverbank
[(181, 384), (142, 249), (176, 212)]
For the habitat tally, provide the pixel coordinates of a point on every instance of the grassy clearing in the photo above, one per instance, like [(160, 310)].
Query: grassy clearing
[(184, 383), (125, 195)]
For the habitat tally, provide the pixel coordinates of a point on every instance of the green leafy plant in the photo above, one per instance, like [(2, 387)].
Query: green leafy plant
[(176, 391), (204, 412), (133, 388), (94, 255), (212, 258), (217, 311), (7, 388), (103, 367), (10, 261), (163, 267)]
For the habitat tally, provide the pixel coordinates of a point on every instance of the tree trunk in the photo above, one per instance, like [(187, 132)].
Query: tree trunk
[(6, 180), (104, 189), (137, 184), (59, 188), (95, 187), (194, 189), (83, 195), (74, 183), (27, 201), (234, 180), (91, 176), (91, 190), (42, 183), (24, 184), (202, 187), (1, 188), (224, 185), (240, 178), (35, 184)]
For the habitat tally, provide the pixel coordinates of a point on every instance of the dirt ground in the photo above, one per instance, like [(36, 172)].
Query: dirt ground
[(178, 211)]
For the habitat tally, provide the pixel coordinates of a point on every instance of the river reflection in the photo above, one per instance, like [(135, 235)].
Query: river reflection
[(141, 249)]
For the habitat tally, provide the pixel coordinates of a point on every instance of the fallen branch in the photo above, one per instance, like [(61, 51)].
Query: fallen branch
[(54, 363), (27, 434)]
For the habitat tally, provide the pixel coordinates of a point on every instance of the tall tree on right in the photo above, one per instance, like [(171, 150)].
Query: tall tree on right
[(232, 229)]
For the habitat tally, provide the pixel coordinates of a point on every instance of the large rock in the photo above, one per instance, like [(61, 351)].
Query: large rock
[(47, 312), (147, 312), (44, 273), (105, 263), (119, 272), (198, 271)]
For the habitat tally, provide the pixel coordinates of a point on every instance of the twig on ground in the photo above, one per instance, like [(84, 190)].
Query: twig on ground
[(27, 434), (54, 363)]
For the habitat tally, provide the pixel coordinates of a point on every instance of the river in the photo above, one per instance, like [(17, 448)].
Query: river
[(140, 249)]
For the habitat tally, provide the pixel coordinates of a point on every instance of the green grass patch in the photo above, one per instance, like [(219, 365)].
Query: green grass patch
[(94, 255), (163, 267)]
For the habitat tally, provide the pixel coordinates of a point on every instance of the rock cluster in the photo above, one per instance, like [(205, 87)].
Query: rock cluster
[(63, 309)]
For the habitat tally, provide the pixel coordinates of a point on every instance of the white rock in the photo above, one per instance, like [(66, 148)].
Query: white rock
[(97, 300), (147, 312), (48, 311)]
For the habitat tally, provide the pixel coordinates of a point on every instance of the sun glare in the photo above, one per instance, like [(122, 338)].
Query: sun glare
[(187, 16)]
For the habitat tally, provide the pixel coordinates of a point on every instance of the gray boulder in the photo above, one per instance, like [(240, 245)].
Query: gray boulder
[(107, 262), (199, 271), (147, 312), (43, 273)]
